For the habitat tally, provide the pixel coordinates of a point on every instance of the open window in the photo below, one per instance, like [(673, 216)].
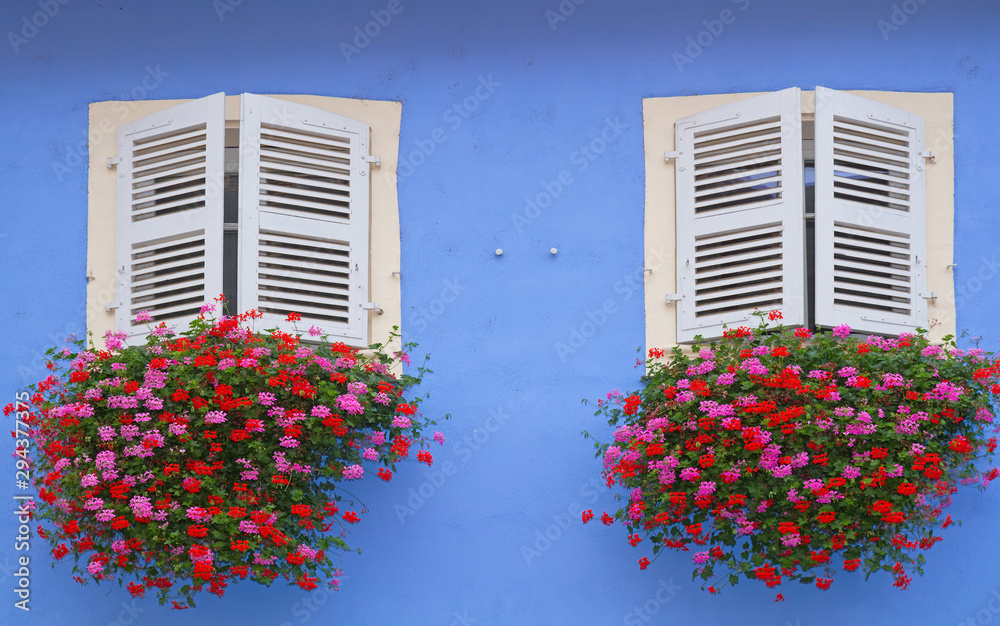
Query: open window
[(814, 204), (273, 201)]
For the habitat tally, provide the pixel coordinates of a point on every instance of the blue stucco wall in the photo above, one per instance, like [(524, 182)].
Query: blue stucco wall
[(472, 549)]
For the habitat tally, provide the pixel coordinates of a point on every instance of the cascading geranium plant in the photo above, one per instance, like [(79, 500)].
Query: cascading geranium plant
[(217, 455), (784, 455)]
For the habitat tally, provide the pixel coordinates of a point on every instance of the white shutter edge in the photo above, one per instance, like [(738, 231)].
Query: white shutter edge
[(251, 119), (788, 105), (249, 210), (212, 110), (828, 102)]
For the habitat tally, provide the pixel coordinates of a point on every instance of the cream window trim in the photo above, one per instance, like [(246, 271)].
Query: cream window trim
[(384, 242), (659, 118)]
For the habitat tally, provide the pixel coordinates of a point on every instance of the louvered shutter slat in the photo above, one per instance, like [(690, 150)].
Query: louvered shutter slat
[(182, 304), (169, 152), (727, 170), (872, 163), (169, 163), (870, 134), (328, 287), (182, 288), (156, 185), (872, 272), (302, 166), (761, 267), (164, 265), (164, 202), (876, 186), (319, 160), (169, 221), (872, 257), (738, 156), (302, 134), (891, 178), (306, 152), (745, 203), (747, 298), (730, 150), (870, 215), (873, 158), (736, 259), (869, 137), (304, 199), (738, 185), (195, 133), (331, 185), (740, 234), (871, 298), (887, 197), (304, 217), (760, 132), (294, 174), (733, 291), (181, 178)]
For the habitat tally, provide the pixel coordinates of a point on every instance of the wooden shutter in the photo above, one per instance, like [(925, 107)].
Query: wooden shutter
[(304, 216), (169, 213), (870, 215), (740, 230)]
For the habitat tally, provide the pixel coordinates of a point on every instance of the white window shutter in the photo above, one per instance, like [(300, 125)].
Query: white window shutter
[(740, 229), (870, 215), (169, 214), (304, 213)]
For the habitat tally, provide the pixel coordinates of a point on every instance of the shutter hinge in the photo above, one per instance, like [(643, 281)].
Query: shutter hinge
[(671, 154), (929, 155), (372, 306), (113, 161), (929, 295), (371, 158), (111, 306), (673, 297)]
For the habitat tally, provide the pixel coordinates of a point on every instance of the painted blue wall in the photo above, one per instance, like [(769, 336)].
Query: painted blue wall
[(462, 553)]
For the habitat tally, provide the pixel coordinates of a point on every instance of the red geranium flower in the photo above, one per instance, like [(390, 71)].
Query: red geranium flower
[(960, 444), (197, 531)]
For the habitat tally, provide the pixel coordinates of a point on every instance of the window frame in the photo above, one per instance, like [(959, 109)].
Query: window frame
[(660, 229), (384, 118)]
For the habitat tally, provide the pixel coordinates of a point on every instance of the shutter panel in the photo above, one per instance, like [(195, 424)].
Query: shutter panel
[(740, 230), (870, 215), (169, 213), (304, 217)]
